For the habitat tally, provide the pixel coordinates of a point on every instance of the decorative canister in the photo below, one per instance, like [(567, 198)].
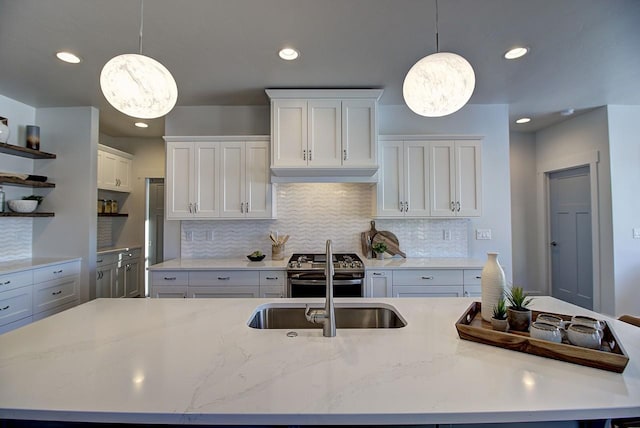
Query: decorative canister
[(33, 137), (101, 204), (107, 207), (277, 252), (493, 285), (114, 207)]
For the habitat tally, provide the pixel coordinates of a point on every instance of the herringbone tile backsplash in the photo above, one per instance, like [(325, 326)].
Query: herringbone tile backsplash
[(314, 212)]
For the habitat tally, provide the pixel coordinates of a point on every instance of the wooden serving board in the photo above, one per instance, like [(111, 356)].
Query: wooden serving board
[(392, 246), (611, 355)]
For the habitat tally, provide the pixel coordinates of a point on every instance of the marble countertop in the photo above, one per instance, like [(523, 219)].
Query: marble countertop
[(20, 265), (118, 249), (196, 361), (268, 264)]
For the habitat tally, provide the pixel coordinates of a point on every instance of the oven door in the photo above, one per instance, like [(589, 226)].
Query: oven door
[(314, 285)]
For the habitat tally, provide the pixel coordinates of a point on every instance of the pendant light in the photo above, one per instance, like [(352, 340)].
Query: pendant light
[(137, 85), (439, 84)]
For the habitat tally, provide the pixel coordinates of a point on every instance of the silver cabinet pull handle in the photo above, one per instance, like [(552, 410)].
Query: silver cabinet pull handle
[(190, 208), (377, 274), (246, 205), (401, 206), (453, 206), (195, 207), (458, 206), (99, 261), (241, 207), (304, 154), (55, 293), (478, 277), (169, 278), (5, 308), (57, 271), (309, 154), (224, 278), (427, 277), (272, 278), (406, 207), (6, 282)]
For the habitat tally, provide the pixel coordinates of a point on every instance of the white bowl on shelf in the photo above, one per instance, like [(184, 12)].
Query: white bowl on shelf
[(22, 205)]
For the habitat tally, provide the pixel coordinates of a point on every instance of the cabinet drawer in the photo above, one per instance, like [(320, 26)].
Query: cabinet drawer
[(428, 277), (427, 291), (472, 276), (223, 292), (14, 280), (168, 277), (223, 278), (56, 271), (106, 259), (169, 292), (50, 294), (124, 256), (15, 305), (273, 277)]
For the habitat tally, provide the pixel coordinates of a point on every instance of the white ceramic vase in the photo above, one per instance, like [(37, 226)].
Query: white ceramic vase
[(493, 285), (4, 133)]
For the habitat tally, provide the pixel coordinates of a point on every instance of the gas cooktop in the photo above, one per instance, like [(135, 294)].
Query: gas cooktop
[(310, 261)]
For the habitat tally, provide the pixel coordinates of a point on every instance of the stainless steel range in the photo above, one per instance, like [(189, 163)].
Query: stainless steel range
[(306, 278)]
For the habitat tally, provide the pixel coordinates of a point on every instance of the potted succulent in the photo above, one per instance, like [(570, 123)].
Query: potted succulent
[(518, 314), (499, 319), (379, 248)]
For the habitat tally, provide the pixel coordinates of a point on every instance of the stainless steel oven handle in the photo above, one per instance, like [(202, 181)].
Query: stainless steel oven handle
[(322, 281)]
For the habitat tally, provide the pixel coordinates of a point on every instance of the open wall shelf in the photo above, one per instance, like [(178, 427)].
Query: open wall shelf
[(12, 214), (25, 183), (24, 152)]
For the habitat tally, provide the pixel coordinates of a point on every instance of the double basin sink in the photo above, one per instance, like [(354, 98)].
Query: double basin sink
[(348, 315)]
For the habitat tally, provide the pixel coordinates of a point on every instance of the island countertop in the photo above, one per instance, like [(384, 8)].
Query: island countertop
[(196, 361)]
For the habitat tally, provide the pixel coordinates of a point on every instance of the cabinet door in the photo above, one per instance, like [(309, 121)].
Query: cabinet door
[(390, 189), (257, 185), (123, 174), (108, 171), (180, 180), (359, 132), (416, 172), (104, 281), (289, 128), (131, 283), (427, 291), (58, 292), (324, 148), (206, 183), (468, 178), (233, 180), (15, 304), (378, 284), (443, 197)]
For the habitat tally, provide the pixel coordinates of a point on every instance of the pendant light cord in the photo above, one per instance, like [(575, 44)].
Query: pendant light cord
[(437, 33), (142, 21)]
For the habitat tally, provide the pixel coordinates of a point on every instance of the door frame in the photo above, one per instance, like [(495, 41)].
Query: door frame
[(590, 159)]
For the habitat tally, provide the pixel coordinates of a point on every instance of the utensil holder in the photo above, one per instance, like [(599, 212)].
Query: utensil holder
[(277, 252)]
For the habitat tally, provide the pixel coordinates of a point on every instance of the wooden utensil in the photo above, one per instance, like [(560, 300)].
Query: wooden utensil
[(392, 247)]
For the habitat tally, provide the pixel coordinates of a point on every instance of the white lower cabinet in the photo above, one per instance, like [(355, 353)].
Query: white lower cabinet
[(15, 308), (472, 287), (217, 284), (118, 274), (378, 283), (428, 283)]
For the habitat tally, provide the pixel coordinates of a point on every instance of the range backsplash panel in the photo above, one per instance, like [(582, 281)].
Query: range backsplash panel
[(16, 239), (311, 213)]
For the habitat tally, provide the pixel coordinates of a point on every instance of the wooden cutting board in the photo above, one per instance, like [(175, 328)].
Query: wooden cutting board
[(366, 239), (392, 246)]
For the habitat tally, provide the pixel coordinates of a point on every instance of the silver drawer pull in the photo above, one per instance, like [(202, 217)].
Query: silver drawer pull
[(6, 283), (478, 277), (224, 278), (272, 278), (427, 277), (5, 308), (99, 261), (378, 274), (55, 293), (57, 271), (169, 278)]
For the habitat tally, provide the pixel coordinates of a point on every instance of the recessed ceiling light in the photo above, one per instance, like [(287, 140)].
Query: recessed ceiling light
[(517, 52), (68, 57), (288, 53), (524, 120), (141, 125)]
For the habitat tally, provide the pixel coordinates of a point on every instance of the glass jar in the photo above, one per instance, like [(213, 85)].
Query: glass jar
[(101, 204), (107, 207), (114, 207)]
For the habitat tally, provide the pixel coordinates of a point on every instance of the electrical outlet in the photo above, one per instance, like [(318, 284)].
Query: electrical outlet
[(446, 235), (636, 233), (483, 233), (188, 235), (209, 235)]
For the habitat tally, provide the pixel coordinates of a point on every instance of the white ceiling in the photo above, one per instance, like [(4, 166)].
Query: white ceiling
[(584, 53)]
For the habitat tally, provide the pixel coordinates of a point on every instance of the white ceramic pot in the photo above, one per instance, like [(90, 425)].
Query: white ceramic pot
[(544, 331), (493, 284), (582, 335), (4, 133)]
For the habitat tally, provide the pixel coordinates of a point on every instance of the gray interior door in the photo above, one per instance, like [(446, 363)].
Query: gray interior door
[(571, 253)]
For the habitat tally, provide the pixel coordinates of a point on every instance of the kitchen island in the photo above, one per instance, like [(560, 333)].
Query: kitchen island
[(196, 361)]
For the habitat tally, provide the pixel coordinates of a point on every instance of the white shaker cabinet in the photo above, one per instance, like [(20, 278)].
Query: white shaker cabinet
[(378, 283), (246, 190), (403, 189), (114, 169), (192, 183), (456, 181)]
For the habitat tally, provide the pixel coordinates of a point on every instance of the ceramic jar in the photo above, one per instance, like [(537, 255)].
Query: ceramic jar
[(493, 284)]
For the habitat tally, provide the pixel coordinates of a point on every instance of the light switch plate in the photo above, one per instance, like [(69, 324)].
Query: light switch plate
[(483, 233), (636, 233)]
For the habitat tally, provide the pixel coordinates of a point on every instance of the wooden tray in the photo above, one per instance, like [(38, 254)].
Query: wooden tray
[(611, 355)]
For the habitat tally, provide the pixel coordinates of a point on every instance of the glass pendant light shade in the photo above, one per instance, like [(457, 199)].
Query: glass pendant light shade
[(138, 86), (439, 84)]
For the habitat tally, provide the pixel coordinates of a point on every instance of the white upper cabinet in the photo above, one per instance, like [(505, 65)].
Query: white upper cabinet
[(329, 133), (114, 169), (456, 180), (222, 177), (403, 189)]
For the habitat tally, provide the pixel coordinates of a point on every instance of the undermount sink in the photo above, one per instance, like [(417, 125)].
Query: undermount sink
[(348, 315)]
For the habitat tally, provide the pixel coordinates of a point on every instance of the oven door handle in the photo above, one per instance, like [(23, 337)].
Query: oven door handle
[(322, 281)]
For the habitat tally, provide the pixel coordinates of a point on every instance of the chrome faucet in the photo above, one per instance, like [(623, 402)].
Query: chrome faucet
[(327, 315)]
